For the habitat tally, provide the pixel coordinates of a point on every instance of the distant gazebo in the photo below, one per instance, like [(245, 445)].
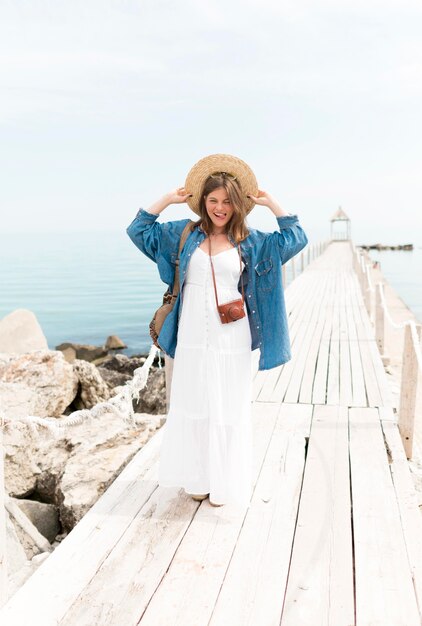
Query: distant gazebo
[(340, 234)]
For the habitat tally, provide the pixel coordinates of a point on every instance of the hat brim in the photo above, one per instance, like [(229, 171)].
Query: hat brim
[(220, 163)]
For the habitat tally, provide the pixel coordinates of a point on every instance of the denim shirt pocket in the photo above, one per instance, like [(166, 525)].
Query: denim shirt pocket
[(265, 274)]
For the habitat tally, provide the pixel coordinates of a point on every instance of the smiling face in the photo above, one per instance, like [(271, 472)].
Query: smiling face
[(219, 207)]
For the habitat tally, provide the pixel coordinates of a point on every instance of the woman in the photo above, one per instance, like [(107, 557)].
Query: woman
[(207, 442)]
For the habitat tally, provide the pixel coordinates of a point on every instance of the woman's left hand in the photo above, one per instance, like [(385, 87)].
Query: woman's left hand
[(264, 198)]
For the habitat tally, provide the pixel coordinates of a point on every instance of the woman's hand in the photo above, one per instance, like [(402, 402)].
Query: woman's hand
[(266, 199), (177, 196)]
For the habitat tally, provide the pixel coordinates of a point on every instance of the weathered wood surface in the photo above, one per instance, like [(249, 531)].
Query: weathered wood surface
[(332, 535)]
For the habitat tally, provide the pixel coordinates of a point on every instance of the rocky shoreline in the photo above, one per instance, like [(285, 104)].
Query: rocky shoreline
[(52, 481)]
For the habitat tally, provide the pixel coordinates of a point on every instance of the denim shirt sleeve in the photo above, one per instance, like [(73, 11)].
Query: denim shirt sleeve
[(153, 238), (289, 239)]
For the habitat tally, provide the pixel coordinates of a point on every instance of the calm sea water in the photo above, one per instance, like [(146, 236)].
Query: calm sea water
[(403, 270), (85, 286)]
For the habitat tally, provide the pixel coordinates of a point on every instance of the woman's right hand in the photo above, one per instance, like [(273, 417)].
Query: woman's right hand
[(177, 196)]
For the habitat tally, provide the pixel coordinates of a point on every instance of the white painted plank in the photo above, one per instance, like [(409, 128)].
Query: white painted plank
[(252, 592), (320, 584), (384, 589)]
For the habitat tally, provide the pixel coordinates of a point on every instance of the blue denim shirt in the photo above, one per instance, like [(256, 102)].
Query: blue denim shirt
[(263, 254)]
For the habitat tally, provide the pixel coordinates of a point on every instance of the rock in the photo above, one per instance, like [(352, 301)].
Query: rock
[(92, 388), (83, 351), (47, 374), (18, 400), (97, 459), (42, 515), (122, 363), (113, 342), (20, 333), (118, 369), (69, 354), (27, 457), (152, 398)]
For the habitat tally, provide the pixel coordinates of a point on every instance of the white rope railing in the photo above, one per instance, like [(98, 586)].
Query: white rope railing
[(119, 405), (398, 325), (411, 365)]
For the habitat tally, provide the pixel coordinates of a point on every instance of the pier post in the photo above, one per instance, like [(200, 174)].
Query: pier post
[(409, 381), (380, 324)]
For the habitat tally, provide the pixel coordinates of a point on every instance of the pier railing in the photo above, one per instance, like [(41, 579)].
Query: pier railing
[(411, 366)]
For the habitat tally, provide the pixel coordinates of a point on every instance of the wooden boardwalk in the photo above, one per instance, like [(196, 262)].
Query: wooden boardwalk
[(333, 534)]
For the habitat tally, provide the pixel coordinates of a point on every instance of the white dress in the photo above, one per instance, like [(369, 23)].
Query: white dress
[(207, 437)]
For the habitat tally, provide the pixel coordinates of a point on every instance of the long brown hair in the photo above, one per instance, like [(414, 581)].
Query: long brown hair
[(236, 227)]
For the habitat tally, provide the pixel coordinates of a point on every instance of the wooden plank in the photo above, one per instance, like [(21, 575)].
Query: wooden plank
[(320, 382), (320, 584), (305, 393), (377, 365), (384, 586), (283, 382), (252, 592), (358, 381), (302, 345), (333, 376), (345, 398), (155, 565), (408, 503)]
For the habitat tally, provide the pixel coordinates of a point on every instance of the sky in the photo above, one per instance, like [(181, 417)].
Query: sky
[(106, 105)]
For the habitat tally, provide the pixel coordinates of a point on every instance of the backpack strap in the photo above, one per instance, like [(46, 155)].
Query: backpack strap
[(183, 238)]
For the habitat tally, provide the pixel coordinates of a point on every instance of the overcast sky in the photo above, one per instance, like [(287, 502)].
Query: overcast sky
[(105, 105)]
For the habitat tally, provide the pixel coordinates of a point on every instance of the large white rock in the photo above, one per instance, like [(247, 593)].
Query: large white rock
[(47, 374), (20, 332)]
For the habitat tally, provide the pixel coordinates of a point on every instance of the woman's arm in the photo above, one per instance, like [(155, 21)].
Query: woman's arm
[(290, 238), (147, 234)]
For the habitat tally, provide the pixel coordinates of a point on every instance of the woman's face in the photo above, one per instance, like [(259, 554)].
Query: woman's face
[(219, 207)]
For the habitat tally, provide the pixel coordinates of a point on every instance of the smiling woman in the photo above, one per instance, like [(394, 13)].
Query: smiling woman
[(207, 442)]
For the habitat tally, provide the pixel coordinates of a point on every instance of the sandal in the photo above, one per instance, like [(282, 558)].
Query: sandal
[(199, 496)]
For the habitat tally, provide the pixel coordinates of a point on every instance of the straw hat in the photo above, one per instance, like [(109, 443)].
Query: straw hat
[(216, 163)]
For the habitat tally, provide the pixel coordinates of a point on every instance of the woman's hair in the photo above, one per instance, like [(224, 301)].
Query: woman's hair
[(236, 227)]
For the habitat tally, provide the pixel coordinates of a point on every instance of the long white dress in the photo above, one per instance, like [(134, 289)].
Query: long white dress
[(207, 437)]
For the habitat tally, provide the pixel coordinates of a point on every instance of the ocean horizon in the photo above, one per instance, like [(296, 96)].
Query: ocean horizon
[(85, 286)]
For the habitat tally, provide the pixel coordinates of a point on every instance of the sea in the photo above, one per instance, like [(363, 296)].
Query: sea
[(85, 286)]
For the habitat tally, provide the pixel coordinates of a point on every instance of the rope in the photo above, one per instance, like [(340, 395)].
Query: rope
[(120, 405), (411, 323)]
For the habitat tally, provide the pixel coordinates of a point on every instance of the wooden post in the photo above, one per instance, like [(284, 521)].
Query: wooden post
[(309, 254), (302, 261), (3, 552), (292, 261), (408, 389), (368, 292), (379, 319)]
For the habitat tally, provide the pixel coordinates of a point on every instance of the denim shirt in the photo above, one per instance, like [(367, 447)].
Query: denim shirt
[(263, 254)]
